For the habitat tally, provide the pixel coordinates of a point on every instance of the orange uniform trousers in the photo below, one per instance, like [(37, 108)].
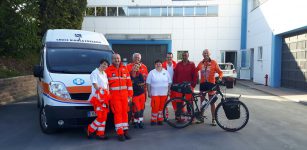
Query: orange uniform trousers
[(157, 104), (119, 107), (99, 123), (138, 107)]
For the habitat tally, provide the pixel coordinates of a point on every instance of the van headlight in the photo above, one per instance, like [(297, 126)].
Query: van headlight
[(59, 89)]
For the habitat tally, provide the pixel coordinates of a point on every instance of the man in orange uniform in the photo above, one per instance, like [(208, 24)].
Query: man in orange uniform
[(208, 68), (121, 92), (136, 59)]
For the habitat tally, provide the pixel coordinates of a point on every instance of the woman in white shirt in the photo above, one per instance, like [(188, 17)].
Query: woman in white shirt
[(158, 85), (99, 84)]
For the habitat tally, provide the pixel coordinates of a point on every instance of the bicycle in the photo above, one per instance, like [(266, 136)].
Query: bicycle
[(231, 114)]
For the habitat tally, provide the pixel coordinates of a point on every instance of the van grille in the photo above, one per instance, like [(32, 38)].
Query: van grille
[(80, 96)]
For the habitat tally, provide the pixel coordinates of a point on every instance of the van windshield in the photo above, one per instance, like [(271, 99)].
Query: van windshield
[(75, 61)]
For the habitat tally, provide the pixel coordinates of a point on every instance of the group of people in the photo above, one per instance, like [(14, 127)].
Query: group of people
[(113, 86)]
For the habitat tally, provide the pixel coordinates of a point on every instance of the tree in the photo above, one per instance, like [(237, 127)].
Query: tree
[(61, 14), (19, 27)]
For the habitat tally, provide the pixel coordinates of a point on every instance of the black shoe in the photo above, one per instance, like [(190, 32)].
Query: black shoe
[(89, 135), (141, 125), (153, 123), (135, 125), (127, 136), (102, 137), (121, 138), (160, 123)]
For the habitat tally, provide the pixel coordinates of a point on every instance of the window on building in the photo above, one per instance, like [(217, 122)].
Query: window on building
[(188, 11), (122, 11), (152, 11), (260, 53), (134, 11), (200, 11), (90, 11), (177, 11), (100, 11), (163, 11), (144, 11), (155, 11), (112, 11), (179, 54), (212, 11)]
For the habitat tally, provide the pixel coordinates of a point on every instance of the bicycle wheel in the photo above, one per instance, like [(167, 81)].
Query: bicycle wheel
[(232, 124), (178, 112)]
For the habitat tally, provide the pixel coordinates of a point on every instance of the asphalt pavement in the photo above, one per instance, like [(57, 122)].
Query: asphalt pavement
[(275, 123)]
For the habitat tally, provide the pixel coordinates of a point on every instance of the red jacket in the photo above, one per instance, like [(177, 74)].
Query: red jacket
[(164, 64), (100, 99), (185, 73)]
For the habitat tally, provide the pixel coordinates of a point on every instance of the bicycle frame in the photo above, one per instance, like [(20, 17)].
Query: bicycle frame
[(207, 102)]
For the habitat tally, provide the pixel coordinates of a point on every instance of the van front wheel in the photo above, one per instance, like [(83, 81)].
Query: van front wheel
[(43, 121)]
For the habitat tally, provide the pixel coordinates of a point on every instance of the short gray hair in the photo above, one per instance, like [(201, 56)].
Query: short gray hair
[(135, 55)]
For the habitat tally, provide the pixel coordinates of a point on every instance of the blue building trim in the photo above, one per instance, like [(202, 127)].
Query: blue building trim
[(275, 78), (293, 31), (243, 33), (243, 24), (141, 42)]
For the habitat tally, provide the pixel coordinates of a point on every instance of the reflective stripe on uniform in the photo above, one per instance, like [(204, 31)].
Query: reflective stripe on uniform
[(97, 123), (125, 124), (130, 88), (100, 129), (93, 126), (118, 125), (118, 88), (118, 78)]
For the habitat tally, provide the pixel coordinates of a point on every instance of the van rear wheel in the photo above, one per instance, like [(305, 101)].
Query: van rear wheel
[(43, 121)]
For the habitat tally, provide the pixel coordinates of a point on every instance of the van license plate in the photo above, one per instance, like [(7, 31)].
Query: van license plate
[(91, 114)]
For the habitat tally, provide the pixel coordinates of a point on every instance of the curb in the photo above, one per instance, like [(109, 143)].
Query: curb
[(265, 91)]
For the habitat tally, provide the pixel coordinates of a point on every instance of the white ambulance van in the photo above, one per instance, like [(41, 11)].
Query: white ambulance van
[(67, 59)]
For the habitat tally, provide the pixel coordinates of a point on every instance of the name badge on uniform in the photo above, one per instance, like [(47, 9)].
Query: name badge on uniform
[(164, 73)]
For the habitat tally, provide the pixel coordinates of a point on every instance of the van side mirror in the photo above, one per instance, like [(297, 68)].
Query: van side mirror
[(38, 71)]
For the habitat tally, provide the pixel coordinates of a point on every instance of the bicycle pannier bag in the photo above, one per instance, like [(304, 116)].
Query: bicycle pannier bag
[(232, 108), (181, 88)]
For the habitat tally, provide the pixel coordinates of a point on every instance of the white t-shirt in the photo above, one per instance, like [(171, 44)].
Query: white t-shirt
[(170, 70), (159, 82), (100, 78)]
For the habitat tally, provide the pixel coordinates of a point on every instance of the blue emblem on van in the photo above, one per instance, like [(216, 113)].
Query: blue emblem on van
[(78, 81)]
